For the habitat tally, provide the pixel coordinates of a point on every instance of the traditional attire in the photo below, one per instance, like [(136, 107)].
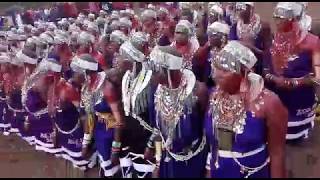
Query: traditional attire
[(239, 31), (69, 128), (100, 119), (40, 122), (136, 99), (177, 121), (238, 140), (300, 101)]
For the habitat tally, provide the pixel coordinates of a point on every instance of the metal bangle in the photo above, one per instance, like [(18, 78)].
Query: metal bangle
[(149, 144), (116, 144)]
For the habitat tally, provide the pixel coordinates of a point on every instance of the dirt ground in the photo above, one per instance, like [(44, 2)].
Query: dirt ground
[(18, 160)]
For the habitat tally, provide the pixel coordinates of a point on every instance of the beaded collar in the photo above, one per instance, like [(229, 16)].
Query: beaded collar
[(252, 29)]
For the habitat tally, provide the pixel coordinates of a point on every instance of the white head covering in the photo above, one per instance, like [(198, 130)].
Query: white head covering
[(288, 10), (84, 62), (49, 64), (216, 9), (148, 14), (166, 60), (25, 58), (91, 16), (61, 37), (233, 55), (184, 26), (45, 38), (118, 36), (93, 27), (151, 6), (128, 49), (164, 10), (125, 22), (85, 38), (219, 27), (4, 58), (210, 4), (249, 3), (185, 5)]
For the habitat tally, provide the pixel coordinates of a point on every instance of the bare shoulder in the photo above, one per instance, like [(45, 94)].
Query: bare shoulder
[(310, 42), (273, 105), (270, 98)]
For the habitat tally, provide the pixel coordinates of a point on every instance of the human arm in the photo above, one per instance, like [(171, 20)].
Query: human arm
[(276, 119), (113, 97)]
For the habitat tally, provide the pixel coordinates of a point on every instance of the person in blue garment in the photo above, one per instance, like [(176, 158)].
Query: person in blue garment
[(27, 63), (289, 65), (38, 96), (245, 122), (101, 101), (70, 128), (177, 114), (4, 62), (251, 31)]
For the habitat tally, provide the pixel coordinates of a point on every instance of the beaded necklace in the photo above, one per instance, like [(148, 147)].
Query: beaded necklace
[(252, 29)]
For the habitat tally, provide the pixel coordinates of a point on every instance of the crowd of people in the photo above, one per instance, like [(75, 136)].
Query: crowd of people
[(189, 90)]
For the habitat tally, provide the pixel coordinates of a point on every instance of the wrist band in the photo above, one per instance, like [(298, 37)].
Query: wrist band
[(149, 144), (85, 143), (87, 137), (116, 144), (296, 83)]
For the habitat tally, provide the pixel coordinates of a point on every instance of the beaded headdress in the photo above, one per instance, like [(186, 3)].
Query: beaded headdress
[(166, 60), (218, 27), (118, 36), (125, 22), (83, 62), (216, 9), (148, 14), (4, 58), (242, 5), (233, 56), (25, 58), (287, 10), (185, 5), (61, 38), (85, 38), (45, 38), (164, 10), (128, 49), (184, 27), (49, 64)]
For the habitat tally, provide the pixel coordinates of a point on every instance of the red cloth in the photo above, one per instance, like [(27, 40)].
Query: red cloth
[(94, 7), (67, 92), (202, 54), (100, 59), (70, 9)]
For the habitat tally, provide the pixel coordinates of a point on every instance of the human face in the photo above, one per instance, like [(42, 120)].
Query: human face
[(112, 48), (124, 29), (283, 25), (243, 11), (181, 38), (78, 78), (228, 82), (162, 16), (215, 39), (149, 26), (213, 18)]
